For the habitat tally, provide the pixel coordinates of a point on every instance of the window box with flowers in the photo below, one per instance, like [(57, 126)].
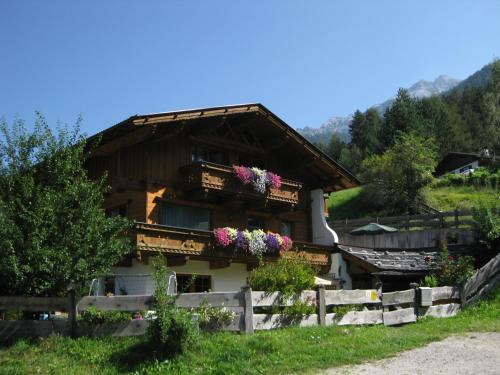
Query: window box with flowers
[(255, 242)]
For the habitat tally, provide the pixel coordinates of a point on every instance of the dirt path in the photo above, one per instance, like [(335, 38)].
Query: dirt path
[(475, 353)]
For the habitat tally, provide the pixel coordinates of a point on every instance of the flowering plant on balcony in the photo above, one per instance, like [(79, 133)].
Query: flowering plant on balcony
[(259, 178), (256, 242)]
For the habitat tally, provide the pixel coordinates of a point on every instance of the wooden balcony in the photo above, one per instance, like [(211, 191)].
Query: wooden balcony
[(204, 180), (180, 245)]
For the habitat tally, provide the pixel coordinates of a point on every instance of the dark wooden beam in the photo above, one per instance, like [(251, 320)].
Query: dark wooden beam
[(173, 261), (219, 263)]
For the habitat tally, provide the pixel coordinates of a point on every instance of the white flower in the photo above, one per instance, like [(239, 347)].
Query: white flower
[(257, 243)]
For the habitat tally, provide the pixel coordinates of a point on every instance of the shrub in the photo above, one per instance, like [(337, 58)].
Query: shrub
[(453, 270), (430, 281), (95, 316), (173, 328), (487, 226), (213, 318), (288, 276)]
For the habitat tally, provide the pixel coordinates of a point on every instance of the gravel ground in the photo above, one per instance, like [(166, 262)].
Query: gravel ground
[(474, 353)]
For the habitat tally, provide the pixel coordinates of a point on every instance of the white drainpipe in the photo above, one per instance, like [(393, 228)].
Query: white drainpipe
[(322, 234)]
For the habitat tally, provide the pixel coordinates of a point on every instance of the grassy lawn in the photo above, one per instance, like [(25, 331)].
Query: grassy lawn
[(461, 197), (351, 205), (286, 351), (348, 204)]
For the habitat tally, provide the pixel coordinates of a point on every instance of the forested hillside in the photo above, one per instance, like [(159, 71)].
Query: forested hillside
[(466, 118)]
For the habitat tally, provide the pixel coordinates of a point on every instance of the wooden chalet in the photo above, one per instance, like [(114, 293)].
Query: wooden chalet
[(172, 174)]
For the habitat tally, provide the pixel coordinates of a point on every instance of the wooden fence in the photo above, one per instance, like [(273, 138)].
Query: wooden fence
[(449, 219), (368, 307), (484, 281)]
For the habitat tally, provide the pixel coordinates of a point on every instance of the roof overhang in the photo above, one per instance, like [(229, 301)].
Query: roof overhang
[(138, 128)]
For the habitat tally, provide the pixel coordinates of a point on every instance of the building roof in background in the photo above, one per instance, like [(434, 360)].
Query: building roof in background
[(454, 160), (394, 261)]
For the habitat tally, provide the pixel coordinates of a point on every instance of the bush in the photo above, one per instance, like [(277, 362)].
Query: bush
[(430, 281), (452, 270), (487, 226), (173, 328), (95, 316), (212, 318), (288, 275)]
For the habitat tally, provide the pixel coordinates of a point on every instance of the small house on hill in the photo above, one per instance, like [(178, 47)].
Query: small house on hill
[(461, 162), (181, 175)]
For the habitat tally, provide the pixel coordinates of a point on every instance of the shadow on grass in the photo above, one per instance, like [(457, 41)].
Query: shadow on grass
[(134, 356)]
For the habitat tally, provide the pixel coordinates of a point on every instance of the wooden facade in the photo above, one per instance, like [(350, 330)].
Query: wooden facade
[(184, 159)]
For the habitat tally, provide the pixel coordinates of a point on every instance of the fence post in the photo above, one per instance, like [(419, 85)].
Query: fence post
[(456, 217), (322, 306), (72, 313), (414, 286), (248, 309)]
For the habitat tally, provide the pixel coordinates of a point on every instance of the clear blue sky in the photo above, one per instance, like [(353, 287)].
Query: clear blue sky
[(304, 60)]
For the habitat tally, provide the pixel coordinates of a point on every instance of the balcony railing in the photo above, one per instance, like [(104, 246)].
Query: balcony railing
[(200, 244), (205, 177)]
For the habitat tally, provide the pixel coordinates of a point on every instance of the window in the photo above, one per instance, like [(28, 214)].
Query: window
[(250, 161), (117, 211), (286, 228), (199, 153), (201, 283), (185, 216), (255, 222)]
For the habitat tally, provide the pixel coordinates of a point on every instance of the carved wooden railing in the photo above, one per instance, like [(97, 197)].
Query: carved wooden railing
[(208, 177), (154, 238)]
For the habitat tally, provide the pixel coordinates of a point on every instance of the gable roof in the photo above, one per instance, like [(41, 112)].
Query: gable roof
[(140, 127)]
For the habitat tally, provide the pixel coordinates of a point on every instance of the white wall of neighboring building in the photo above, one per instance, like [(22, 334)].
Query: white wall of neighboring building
[(324, 235), (339, 269), (471, 166), (134, 280)]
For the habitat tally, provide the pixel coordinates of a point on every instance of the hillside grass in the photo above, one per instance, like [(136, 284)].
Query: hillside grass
[(351, 203), (284, 351), (460, 197)]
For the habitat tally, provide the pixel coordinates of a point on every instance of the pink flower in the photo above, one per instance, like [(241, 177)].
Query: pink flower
[(222, 237), (286, 243), (244, 174), (273, 179)]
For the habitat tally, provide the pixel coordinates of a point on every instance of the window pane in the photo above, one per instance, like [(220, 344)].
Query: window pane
[(255, 223), (185, 217), (286, 228)]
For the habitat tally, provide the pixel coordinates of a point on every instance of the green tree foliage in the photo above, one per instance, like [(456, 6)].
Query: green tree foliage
[(53, 229), (466, 119), (335, 147), (364, 131), (402, 117), (351, 158), (394, 180)]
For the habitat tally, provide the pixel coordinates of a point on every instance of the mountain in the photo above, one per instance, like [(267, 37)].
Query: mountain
[(424, 89), (340, 125), (478, 79)]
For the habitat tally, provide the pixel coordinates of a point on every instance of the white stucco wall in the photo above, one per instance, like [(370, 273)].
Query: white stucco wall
[(324, 235), (474, 165), (228, 279)]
